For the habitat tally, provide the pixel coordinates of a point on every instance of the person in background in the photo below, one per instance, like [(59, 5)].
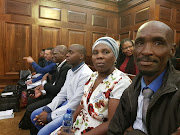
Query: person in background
[(102, 92), (118, 42), (48, 90), (48, 118), (151, 104), (41, 60), (49, 65), (177, 55), (125, 61)]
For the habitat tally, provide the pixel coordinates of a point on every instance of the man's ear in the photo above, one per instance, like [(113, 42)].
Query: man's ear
[(173, 50), (81, 56)]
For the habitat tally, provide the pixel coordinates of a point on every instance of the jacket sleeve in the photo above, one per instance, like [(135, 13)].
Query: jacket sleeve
[(121, 119), (54, 89), (45, 69), (37, 78), (135, 132)]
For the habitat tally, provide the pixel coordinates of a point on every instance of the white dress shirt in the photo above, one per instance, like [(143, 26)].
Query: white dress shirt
[(71, 92)]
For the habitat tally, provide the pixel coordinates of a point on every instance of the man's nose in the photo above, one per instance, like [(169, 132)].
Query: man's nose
[(147, 49), (67, 55)]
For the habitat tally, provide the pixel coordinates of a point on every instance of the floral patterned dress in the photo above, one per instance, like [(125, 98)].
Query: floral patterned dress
[(95, 104)]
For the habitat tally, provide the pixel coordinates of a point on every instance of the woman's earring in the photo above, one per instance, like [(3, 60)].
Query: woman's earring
[(115, 62)]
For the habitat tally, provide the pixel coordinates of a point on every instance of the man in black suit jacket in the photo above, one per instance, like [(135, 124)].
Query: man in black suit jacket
[(49, 89)]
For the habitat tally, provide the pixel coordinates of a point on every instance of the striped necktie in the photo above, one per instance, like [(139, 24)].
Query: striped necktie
[(147, 93)]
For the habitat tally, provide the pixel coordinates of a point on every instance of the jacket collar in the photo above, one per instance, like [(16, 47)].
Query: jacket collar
[(168, 85), (169, 79)]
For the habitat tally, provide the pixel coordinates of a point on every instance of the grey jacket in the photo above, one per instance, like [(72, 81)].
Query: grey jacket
[(163, 114)]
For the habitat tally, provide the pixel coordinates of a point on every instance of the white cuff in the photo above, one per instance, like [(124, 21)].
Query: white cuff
[(43, 92), (43, 82)]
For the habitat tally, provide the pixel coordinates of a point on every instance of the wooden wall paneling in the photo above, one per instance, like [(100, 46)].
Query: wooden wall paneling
[(125, 20), (165, 13), (134, 34), (171, 14), (77, 17), (88, 42), (96, 35), (51, 13), (124, 35), (35, 43), (99, 21), (133, 14), (157, 12), (20, 8), (49, 37), (76, 37), (2, 6), (178, 16), (2, 46), (64, 36), (105, 6), (142, 15), (126, 5), (17, 45), (53, 22)]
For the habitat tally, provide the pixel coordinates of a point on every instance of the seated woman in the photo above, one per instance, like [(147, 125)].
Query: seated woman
[(102, 92), (125, 61)]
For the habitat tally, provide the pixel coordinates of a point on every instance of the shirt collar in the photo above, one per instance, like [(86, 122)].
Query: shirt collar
[(76, 67), (155, 84), (60, 64)]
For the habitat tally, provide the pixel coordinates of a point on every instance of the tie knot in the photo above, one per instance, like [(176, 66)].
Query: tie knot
[(147, 93)]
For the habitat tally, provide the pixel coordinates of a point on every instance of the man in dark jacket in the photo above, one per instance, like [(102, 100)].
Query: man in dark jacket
[(160, 114), (41, 60), (44, 94)]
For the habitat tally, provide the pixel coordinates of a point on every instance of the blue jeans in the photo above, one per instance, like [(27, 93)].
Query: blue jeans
[(51, 126)]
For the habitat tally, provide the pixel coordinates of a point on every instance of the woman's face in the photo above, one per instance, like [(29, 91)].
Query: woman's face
[(127, 48), (103, 58)]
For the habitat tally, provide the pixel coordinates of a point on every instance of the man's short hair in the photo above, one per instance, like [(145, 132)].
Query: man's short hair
[(81, 49), (62, 49), (50, 48)]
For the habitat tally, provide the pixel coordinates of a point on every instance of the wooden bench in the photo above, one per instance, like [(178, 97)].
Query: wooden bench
[(131, 76)]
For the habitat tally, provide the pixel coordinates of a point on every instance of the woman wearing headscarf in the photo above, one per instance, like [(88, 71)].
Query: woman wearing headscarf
[(102, 92), (125, 60)]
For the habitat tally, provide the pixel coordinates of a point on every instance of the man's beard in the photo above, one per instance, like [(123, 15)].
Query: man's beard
[(147, 59), (147, 73)]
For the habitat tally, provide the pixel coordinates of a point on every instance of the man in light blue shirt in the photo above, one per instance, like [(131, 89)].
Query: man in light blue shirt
[(42, 70)]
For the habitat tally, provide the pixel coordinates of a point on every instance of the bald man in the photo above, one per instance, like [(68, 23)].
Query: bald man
[(48, 90), (160, 114), (70, 95)]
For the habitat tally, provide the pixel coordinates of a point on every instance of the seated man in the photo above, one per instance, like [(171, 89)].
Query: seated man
[(151, 104), (49, 118), (44, 94), (41, 60), (49, 65)]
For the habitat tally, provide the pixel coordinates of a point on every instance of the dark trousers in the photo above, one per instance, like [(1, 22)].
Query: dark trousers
[(32, 104)]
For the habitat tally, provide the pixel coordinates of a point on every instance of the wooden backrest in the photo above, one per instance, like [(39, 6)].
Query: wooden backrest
[(131, 76)]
